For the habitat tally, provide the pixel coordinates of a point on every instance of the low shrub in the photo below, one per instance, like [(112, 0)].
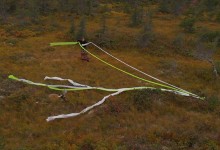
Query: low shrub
[(136, 17), (211, 145), (213, 103), (218, 17), (188, 24), (9, 86), (204, 74), (2, 142), (210, 36), (179, 41), (87, 144), (12, 41), (143, 99)]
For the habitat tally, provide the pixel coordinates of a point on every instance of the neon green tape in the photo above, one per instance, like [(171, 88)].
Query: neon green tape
[(59, 88), (13, 77), (130, 74), (53, 87), (81, 89), (38, 84), (63, 43), (162, 85), (64, 89), (70, 89), (26, 81), (73, 43), (74, 89), (159, 84)]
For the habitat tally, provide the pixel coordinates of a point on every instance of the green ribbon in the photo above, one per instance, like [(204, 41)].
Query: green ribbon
[(123, 71), (128, 73)]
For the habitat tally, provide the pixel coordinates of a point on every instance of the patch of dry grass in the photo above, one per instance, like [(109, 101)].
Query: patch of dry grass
[(173, 122)]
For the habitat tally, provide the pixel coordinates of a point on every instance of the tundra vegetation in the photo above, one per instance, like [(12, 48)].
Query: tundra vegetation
[(177, 41)]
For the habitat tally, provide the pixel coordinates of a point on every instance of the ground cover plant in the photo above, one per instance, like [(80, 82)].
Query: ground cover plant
[(172, 40)]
